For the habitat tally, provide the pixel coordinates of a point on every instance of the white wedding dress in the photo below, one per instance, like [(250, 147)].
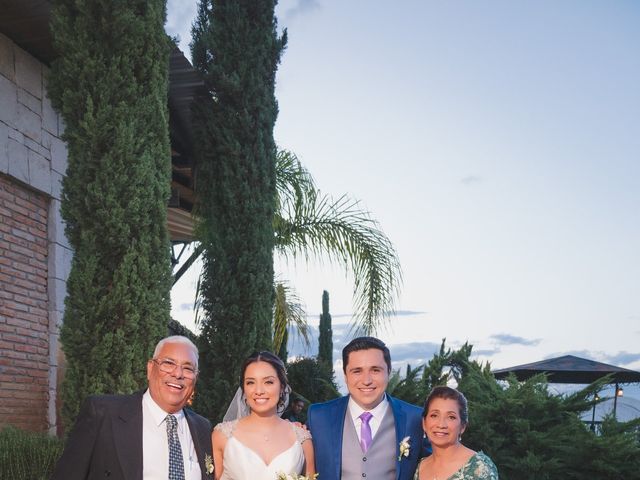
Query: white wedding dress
[(242, 463)]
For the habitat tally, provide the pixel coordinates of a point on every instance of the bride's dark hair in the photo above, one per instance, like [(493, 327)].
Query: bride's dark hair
[(278, 366)]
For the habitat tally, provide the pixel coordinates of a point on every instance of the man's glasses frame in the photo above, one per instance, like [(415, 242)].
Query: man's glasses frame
[(166, 365)]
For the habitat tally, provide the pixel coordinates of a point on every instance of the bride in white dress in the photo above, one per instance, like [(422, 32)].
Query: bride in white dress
[(261, 445)]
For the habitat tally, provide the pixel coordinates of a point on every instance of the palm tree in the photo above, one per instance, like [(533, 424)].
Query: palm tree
[(287, 312), (309, 225), (313, 226)]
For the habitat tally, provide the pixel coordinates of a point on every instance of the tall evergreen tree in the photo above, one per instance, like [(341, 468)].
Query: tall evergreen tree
[(110, 85), (325, 340), (237, 49)]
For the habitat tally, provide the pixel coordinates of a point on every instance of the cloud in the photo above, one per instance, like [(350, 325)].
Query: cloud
[(485, 352), (407, 313), (506, 339), (414, 352), (302, 7), (623, 358), (297, 347), (185, 307), (471, 179), (397, 313)]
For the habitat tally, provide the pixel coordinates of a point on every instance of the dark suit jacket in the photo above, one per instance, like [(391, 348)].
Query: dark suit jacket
[(106, 441), (326, 422)]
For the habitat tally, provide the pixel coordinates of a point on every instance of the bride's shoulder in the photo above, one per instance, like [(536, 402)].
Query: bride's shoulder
[(302, 434), (226, 428)]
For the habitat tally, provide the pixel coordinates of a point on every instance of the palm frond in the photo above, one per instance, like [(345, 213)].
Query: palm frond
[(288, 311), (293, 181), (317, 227), (394, 380)]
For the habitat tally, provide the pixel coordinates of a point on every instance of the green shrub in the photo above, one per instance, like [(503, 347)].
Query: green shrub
[(311, 381), (27, 455), (529, 432)]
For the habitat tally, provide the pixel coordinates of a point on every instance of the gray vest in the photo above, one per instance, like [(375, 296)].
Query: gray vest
[(379, 463)]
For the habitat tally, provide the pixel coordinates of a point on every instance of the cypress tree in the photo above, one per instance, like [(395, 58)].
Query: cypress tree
[(110, 85), (325, 341), (236, 48)]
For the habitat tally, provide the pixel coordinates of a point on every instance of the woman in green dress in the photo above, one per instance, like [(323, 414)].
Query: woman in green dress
[(444, 419)]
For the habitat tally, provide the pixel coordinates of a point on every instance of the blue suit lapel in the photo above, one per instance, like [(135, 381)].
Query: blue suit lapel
[(337, 429), (400, 419)]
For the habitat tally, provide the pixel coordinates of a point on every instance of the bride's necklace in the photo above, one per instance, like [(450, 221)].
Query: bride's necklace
[(266, 437)]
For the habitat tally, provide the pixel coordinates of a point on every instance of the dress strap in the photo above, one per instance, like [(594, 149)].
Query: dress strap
[(302, 435), (227, 428)]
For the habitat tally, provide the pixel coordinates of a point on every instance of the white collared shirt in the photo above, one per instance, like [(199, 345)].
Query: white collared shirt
[(377, 413), (155, 445)]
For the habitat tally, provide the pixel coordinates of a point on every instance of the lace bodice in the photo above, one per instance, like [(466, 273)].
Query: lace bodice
[(242, 463)]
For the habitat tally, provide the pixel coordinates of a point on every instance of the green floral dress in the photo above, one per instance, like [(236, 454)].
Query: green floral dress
[(478, 467)]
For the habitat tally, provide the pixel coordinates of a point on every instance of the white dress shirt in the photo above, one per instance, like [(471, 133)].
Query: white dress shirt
[(377, 413), (155, 445)]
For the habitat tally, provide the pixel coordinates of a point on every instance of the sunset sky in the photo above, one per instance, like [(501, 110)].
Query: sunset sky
[(497, 143)]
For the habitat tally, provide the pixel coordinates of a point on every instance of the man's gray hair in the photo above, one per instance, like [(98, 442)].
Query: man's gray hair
[(176, 339)]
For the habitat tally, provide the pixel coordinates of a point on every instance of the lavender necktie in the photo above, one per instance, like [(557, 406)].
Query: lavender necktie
[(365, 431)]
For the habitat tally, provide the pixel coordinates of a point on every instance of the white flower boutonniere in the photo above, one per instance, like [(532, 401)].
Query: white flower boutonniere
[(208, 464), (404, 447), (293, 476)]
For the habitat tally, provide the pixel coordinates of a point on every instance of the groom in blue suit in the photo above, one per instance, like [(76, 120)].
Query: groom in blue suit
[(366, 435)]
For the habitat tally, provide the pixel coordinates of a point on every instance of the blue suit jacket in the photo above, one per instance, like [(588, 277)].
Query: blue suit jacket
[(326, 422)]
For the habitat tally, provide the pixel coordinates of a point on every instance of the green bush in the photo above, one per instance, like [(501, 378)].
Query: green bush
[(27, 455), (529, 432), (311, 381)]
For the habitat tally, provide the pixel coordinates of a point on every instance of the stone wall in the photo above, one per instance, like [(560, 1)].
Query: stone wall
[(33, 160)]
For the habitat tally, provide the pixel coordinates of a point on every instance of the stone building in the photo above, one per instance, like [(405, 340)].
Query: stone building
[(35, 256)]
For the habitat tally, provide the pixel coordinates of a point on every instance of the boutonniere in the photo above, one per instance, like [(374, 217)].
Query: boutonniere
[(404, 448), (293, 476), (208, 464)]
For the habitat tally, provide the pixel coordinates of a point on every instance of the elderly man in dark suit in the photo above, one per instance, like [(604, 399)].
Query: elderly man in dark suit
[(145, 435)]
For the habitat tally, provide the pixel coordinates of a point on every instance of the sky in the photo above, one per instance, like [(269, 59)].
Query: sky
[(496, 143)]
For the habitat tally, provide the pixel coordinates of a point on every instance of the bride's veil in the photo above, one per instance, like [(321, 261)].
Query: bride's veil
[(238, 407)]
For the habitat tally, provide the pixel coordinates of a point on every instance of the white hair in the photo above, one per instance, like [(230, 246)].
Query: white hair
[(176, 339)]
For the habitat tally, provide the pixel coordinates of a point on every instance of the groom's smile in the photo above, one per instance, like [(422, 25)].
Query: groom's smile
[(367, 376)]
